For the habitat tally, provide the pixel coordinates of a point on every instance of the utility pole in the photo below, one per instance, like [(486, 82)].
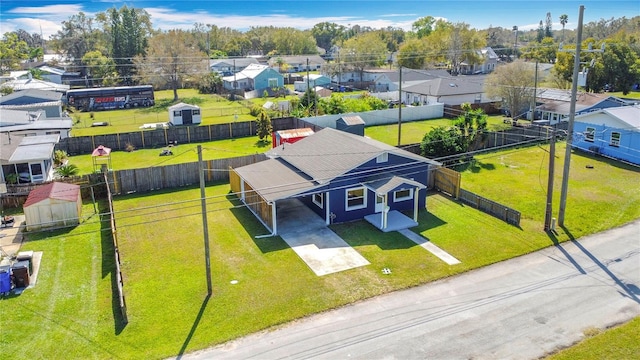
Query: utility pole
[(552, 156), (205, 224), (515, 43), (399, 105), (572, 115), (308, 89), (535, 90)]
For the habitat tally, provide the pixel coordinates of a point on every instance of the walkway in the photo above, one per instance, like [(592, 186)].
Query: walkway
[(308, 235), (429, 246)]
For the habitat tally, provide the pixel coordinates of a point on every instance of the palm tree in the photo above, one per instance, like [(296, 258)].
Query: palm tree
[(564, 19), (67, 170)]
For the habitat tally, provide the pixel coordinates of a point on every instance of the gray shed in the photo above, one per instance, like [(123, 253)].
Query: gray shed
[(351, 124)]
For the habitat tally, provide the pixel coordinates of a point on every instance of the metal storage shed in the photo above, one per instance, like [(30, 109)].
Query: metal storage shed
[(351, 124), (53, 205), (184, 114)]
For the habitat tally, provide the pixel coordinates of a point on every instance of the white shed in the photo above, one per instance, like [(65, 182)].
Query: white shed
[(53, 205), (184, 114)]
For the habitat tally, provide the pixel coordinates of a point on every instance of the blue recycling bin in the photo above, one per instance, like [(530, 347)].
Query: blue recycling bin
[(5, 282)]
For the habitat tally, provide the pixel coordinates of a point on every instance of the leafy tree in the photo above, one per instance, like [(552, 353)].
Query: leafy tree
[(513, 83), (79, 36), (127, 29), (100, 69), (545, 52), (423, 26), (210, 83), (170, 60), (294, 42), (564, 19), (327, 34), (548, 23), (263, 126), (440, 142), (12, 52), (364, 50), (412, 54), (335, 104), (309, 101), (36, 73), (620, 67)]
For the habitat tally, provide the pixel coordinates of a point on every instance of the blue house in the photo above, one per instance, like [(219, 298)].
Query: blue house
[(556, 104), (613, 132), (254, 77), (341, 177)]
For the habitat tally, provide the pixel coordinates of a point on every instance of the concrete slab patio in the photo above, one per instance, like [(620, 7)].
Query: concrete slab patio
[(308, 235)]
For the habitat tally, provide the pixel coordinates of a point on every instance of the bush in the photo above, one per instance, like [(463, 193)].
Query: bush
[(59, 156), (67, 170), (129, 147), (255, 110)]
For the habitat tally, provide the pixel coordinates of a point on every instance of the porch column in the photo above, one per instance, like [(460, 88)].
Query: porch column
[(385, 211), (416, 196), (327, 209), (274, 218)]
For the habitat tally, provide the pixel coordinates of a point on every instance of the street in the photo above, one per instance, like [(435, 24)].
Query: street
[(522, 308)]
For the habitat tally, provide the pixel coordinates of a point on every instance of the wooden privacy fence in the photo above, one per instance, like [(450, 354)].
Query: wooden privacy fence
[(447, 180), (490, 207), (114, 236), (145, 139), (173, 176)]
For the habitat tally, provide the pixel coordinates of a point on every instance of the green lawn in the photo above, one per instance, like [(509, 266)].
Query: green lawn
[(161, 243), (215, 110), (413, 131), (617, 343), (143, 158)]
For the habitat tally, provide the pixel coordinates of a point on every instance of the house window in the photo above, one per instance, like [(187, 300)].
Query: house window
[(356, 198), (318, 199), (402, 195), (615, 139), (177, 113), (273, 82), (382, 158), (195, 112), (589, 134)]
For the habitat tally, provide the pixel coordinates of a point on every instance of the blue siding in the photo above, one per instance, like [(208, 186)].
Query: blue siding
[(261, 81), (396, 165), (628, 149)]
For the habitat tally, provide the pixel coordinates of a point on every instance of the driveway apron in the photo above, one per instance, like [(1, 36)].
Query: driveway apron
[(308, 235)]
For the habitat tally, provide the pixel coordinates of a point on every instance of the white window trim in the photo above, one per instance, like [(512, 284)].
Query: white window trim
[(364, 197), (589, 134), (320, 203), (613, 142), (404, 198)]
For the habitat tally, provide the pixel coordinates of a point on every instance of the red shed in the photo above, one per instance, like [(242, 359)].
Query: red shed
[(289, 136)]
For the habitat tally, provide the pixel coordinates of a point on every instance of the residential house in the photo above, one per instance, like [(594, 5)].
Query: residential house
[(297, 63), (28, 158), (227, 67), (254, 77), (31, 83), (313, 81), (487, 65), (34, 100), (20, 123), (340, 176), (389, 80), (452, 90), (556, 103), (612, 132)]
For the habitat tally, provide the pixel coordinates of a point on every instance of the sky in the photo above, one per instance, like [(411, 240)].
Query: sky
[(45, 16)]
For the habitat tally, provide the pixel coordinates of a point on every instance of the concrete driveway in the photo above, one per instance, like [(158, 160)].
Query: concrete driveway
[(308, 235)]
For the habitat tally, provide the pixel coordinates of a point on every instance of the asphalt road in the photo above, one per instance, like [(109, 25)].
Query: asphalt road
[(522, 308)]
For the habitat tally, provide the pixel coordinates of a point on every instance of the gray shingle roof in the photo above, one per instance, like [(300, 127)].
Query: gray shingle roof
[(273, 179), (330, 153)]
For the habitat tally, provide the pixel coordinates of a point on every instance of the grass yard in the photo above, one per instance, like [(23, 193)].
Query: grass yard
[(143, 158), (160, 239), (413, 131), (620, 342), (215, 110)]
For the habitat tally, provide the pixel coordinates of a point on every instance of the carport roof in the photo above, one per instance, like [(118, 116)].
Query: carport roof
[(273, 180)]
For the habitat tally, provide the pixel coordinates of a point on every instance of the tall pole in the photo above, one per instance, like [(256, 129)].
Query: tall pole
[(572, 115), (515, 43), (308, 89), (552, 156), (535, 90), (399, 105), (205, 224)]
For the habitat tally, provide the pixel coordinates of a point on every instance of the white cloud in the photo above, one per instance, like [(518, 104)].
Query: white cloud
[(32, 25), (64, 10)]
